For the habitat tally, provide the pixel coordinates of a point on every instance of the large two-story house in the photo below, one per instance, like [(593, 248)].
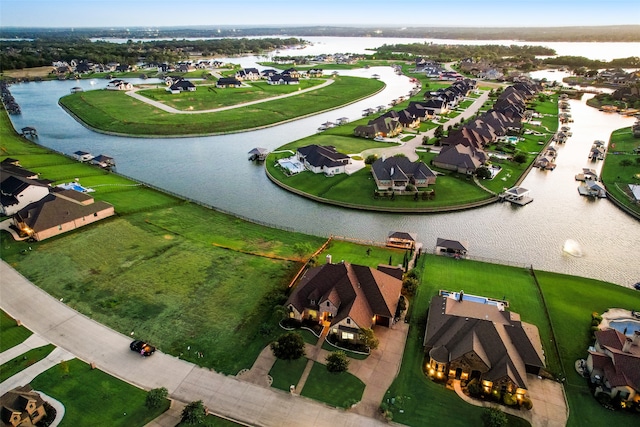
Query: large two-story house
[(396, 173), (468, 340), (323, 159), (347, 297)]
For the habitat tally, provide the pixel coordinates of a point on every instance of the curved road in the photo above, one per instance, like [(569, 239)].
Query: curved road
[(109, 350)]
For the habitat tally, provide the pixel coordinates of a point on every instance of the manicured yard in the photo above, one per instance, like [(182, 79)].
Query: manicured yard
[(210, 97), (570, 301), (93, 398), (287, 372), (213, 421), (11, 333), (340, 390), (114, 111), (622, 167), (23, 361)]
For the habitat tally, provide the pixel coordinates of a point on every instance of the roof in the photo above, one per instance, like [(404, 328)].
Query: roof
[(500, 340), (400, 168), (358, 291), (460, 156), (402, 235), (452, 244), (54, 210), (323, 156), (622, 365), (16, 401)]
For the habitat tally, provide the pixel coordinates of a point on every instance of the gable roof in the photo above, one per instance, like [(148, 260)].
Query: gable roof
[(323, 155), (400, 168), (498, 337), (358, 291), (452, 244)]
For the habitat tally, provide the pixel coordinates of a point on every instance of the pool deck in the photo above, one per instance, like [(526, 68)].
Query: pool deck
[(614, 314)]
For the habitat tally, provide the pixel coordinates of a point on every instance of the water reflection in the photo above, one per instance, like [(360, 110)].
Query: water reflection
[(215, 170)]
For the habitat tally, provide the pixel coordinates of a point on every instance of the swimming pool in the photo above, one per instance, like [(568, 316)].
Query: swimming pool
[(293, 166), (75, 186), (626, 326), (473, 298)]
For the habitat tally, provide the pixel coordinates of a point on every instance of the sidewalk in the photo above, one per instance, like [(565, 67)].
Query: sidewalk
[(27, 375), (109, 350)]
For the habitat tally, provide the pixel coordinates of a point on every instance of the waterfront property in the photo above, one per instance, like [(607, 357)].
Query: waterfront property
[(451, 248), (591, 188), (613, 365), (517, 195), (401, 240), (323, 159), (347, 297), (17, 192), (468, 339), (401, 174)]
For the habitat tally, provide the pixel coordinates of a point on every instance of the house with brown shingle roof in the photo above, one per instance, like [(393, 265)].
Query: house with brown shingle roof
[(468, 340), (614, 365), (21, 407), (347, 297), (60, 211)]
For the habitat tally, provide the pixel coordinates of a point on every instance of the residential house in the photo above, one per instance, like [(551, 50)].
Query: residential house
[(467, 340), (228, 82), (12, 166), (268, 73), (384, 126), (460, 158), (635, 192), (292, 72), (401, 240), (282, 79), (21, 407), (453, 248), (323, 159), (181, 85), (347, 297), (58, 212), (119, 85), (251, 74), (613, 365), (315, 72), (16, 192), (397, 173)]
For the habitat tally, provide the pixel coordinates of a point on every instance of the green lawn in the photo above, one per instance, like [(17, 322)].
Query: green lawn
[(213, 421), (210, 97), (11, 333), (570, 301), (23, 361), (114, 111), (615, 174), (340, 390), (287, 372), (93, 398)]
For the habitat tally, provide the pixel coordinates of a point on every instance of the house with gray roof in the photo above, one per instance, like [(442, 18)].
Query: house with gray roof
[(467, 340), (323, 159), (347, 297), (16, 192), (396, 173)]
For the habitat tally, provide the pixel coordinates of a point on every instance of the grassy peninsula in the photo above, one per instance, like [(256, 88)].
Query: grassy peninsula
[(117, 113), (622, 168)]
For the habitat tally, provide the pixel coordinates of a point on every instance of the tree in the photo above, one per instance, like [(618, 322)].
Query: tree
[(368, 338), (156, 397), (409, 286), (520, 158), (439, 132), (194, 413), (371, 158), (289, 346), (626, 162), (483, 172), (337, 361), (494, 417)]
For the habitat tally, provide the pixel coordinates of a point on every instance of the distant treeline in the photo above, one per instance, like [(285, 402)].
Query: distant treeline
[(448, 53), (611, 33), (42, 51), (574, 62)]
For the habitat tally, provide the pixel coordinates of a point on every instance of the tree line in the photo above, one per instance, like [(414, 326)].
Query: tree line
[(18, 54)]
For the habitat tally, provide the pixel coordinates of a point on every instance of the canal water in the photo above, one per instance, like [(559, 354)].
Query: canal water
[(215, 170)]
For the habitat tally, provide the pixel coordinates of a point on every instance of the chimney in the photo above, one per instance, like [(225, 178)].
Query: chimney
[(626, 347), (329, 259)]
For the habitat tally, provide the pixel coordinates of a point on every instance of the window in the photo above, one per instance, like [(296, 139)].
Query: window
[(348, 321), (328, 303), (348, 336)]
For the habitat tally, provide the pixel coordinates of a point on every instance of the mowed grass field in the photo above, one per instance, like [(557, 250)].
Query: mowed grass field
[(114, 111), (207, 97), (174, 273), (622, 167)]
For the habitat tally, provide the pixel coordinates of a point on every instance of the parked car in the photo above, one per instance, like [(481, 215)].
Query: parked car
[(637, 286), (142, 348)]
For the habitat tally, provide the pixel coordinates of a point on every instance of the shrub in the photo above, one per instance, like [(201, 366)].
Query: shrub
[(194, 413), (337, 361), (527, 403), (409, 286), (371, 158), (494, 417), (474, 387), (509, 399), (368, 338), (289, 346), (156, 397)]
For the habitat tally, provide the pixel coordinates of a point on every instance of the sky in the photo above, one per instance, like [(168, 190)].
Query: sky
[(383, 13)]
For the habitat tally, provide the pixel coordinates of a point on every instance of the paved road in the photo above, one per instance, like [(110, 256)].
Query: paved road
[(169, 109), (109, 350)]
